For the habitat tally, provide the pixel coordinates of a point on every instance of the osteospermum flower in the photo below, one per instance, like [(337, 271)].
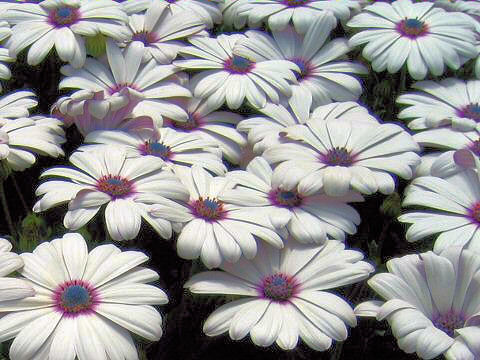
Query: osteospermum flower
[(159, 30), (128, 187), (85, 304), (17, 104), (313, 216), (231, 14), (214, 126), (424, 37), (172, 148), (264, 131), (218, 229), (232, 78), (22, 137), (62, 24), (431, 303), (278, 13), (285, 295), (453, 210), (92, 111), (125, 70), (339, 155), (451, 103), (323, 75), (206, 10), (12, 288)]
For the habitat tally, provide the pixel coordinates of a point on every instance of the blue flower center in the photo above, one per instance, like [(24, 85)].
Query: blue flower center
[(412, 28), (76, 298), (471, 111), (278, 287), (337, 157), (145, 37), (156, 149), (475, 147), (63, 16), (295, 3), (238, 64), (115, 186), (304, 68), (449, 321), (285, 198), (208, 209)]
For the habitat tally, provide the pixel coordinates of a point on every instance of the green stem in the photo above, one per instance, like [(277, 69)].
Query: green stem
[(403, 80), (20, 195), (6, 211)]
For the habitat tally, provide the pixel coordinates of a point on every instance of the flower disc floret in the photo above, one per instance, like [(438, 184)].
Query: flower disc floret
[(337, 156), (239, 65), (412, 28), (285, 198), (115, 186), (278, 287), (295, 3), (449, 321), (63, 16), (75, 297), (209, 209), (471, 111), (156, 149)]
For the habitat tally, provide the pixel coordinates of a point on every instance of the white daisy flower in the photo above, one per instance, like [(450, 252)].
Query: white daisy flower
[(125, 70), (453, 210), (22, 137), (62, 24), (86, 304), (159, 30), (220, 230), (5, 32), (232, 78), (128, 187), (206, 10), (17, 104), (285, 295), (431, 303), (278, 13), (340, 155), (264, 131), (451, 103), (232, 17), (323, 75), (424, 37), (313, 216), (12, 288), (217, 127), (92, 111), (172, 148)]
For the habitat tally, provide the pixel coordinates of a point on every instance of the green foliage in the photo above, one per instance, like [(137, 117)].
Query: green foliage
[(96, 45)]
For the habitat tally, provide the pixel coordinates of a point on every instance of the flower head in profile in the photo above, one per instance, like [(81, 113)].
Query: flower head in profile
[(313, 217), (285, 295), (420, 35), (431, 303), (450, 103), (86, 303), (125, 70), (129, 187), (219, 228), (206, 10), (278, 13), (339, 155), (12, 288), (229, 77), (92, 111), (63, 24), (452, 210), (161, 31), (325, 76)]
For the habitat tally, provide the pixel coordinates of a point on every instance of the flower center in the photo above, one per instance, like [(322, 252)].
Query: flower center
[(278, 287), (412, 28), (63, 16), (115, 186), (75, 297), (337, 157), (304, 68), (285, 198), (208, 209), (156, 149), (145, 37), (238, 65), (471, 111), (192, 123), (474, 212), (295, 3), (448, 322), (475, 147)]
